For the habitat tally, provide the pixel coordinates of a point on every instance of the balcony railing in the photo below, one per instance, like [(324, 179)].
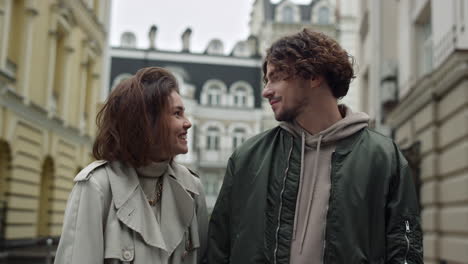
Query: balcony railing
[(214, 158)]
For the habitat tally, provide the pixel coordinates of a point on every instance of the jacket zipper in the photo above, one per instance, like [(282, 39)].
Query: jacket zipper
[(328, 208), (407, 240), (281, 202), (326, 213)]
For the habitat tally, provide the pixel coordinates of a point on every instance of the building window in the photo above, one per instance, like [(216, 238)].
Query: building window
[(212, 138), (239, 137), (324, 15), (425, 58), (214, 95), (240, 97), (241, 94), (287, 14)]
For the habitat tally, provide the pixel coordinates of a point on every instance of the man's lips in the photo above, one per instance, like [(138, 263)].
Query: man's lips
[(274, 101)]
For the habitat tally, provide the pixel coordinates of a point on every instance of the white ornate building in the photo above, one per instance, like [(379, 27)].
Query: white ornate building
[(221, 95)]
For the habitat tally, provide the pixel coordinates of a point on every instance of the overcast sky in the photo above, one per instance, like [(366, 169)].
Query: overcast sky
[(227, 20)]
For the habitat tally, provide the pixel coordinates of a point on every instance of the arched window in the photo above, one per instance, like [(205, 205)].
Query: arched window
[(212, 138), (287, 14), (47, 176), (214, 95), (324, 15), (239, 136), (241, 94), (240, 97), (5, 166)]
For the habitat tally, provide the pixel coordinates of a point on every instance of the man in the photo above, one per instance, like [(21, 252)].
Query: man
[(321, 187)]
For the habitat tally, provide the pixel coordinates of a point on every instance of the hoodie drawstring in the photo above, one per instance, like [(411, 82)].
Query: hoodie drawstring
[(311, 195)]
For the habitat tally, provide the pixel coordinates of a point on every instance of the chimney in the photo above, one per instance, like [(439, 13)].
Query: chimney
[(186, 40), (152, 37)]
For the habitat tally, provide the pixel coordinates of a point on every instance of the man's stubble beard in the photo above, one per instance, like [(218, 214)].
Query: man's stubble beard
[(290, 114)]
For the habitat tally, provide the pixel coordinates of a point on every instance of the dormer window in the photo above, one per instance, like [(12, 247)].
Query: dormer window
[(288, 15), (324, 15)]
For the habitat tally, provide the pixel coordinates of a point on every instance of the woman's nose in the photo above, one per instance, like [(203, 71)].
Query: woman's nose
[(187, 124)]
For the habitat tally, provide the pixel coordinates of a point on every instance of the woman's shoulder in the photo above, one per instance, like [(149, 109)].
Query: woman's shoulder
[(187, 177), (92, 168), (94, 174)]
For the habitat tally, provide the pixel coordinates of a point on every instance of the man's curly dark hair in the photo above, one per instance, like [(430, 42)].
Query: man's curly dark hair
[(309, 54)]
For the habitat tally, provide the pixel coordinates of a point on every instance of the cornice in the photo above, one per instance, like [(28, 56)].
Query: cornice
[(430, 88), (38, 115)]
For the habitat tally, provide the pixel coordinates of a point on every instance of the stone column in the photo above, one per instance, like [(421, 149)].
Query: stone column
[(26, 50), (66, 84), (53, 35), (5, 17)]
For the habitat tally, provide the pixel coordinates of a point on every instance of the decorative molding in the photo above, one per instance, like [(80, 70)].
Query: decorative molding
[(431, 88), (86, 19), (184, 57), (38, 116)]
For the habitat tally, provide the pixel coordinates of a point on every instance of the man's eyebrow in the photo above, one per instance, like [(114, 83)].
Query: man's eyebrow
[(181, 108)]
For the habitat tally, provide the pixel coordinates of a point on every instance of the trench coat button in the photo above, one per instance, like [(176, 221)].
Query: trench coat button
[(127, 255)]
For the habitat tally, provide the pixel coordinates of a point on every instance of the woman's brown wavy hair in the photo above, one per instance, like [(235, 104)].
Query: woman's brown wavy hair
[(132, 124), (309, 54)]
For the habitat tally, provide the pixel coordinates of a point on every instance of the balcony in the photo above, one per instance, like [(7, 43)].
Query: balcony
[(214, 158)]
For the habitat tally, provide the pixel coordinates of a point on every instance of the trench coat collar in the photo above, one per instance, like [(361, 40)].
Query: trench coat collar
[(177, 205)]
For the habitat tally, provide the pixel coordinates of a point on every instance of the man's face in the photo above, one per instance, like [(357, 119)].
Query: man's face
[(286, 95)]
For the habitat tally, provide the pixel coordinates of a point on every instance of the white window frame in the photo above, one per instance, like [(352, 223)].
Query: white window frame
[(247, 94), (208, 93)]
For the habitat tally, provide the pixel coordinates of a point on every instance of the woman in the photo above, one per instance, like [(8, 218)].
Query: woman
[(136, 204)]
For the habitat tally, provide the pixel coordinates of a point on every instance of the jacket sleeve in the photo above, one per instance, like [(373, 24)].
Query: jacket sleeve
[(82, 234), (404, 234), (219, 232)]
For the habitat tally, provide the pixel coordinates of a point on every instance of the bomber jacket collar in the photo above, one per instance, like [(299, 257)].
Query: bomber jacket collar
[(177, 205), (343, 146)]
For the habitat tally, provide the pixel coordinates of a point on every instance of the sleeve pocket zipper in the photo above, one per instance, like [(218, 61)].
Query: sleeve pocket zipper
[(407, 231)]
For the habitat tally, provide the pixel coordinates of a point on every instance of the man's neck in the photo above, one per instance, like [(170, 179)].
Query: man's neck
[(319, 116)]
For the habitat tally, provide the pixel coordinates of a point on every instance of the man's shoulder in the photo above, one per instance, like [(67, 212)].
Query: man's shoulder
[(263, 138), (380, 144), (377, 138)]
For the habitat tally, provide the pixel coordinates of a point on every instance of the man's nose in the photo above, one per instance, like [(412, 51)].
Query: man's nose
[(267, 91)]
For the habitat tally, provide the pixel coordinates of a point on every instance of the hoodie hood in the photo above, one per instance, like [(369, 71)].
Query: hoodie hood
[(350, 124)]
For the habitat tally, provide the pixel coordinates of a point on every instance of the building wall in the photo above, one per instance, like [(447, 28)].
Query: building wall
[(432, 111), (50, 69)]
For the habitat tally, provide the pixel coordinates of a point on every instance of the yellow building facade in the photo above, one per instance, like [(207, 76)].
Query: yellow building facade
[(51, 61)]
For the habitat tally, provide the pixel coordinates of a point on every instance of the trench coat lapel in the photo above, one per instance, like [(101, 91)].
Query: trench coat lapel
[(177, 205)]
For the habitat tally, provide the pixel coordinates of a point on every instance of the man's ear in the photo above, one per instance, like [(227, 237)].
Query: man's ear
[(316, 81)]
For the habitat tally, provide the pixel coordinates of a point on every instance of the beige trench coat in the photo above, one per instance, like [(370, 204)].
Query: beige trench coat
[(108, 219)]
